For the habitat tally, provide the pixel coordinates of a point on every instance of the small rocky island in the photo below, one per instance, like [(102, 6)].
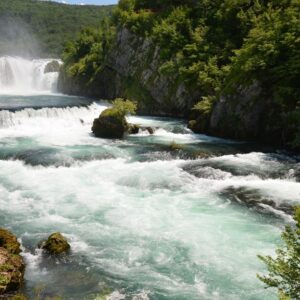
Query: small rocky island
[(55, 244), (112, 123)]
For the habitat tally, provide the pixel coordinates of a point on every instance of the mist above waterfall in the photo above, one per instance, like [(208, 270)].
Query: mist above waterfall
[(26, 76), (17, 38), (20, 73)]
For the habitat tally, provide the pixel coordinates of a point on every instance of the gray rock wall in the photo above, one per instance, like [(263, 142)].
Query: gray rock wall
[(132, 70)]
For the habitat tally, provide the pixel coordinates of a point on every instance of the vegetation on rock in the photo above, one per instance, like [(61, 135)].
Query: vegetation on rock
[(9, 241), (18, 297), (84, 57), (284, 270), (112, 121), (11, 263), (56, 244), (217, 48)]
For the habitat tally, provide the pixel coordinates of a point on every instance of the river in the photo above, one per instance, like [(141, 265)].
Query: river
[(144, 220)]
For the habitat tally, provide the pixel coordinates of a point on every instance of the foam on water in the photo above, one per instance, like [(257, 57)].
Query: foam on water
[(150, 229), (22, 76), (158, 228)]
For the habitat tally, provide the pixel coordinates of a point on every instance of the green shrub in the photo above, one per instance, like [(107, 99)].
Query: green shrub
[(284, 270), (84, 57), (124, 106), (205, 105)]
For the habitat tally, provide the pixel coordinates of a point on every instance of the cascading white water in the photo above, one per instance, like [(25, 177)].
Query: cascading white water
[(23, 76), (142, 219)]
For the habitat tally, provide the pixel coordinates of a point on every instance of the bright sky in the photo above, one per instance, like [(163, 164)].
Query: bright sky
[(98, 2)]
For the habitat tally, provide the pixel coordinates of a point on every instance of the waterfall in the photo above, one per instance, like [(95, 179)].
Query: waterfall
[(35, 117), (23, 76)]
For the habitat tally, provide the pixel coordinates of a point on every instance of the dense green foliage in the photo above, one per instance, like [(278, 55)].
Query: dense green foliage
[(41, 28), (85, 56), (213, 43), (284, 270), (218, 47), (124, 106)]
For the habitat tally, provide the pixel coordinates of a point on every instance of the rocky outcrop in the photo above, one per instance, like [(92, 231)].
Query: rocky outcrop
[(134, 129), (11, 263), (132, 70), (55, 244), (254, 200), (248, 114), (52, 66), (110, 124)]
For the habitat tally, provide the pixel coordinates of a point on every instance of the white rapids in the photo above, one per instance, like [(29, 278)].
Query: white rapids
[(144, 221)]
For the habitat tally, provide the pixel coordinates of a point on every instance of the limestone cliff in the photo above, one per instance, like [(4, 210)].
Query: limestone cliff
[(132, 70), (251, 114)]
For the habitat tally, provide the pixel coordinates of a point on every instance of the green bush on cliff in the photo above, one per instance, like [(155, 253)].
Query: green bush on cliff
[(270, 53), (124, 106), (284, 270), (84, 57), (215, 47)]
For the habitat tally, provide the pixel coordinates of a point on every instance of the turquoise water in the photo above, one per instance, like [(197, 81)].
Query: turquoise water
[(144, 222)]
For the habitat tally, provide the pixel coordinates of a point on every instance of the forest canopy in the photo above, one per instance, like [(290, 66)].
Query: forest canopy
[(41, 28)]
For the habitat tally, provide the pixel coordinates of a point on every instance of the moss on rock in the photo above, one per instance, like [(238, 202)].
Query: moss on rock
[(18, 297), (9, 241), (110, 124), (11, 263), (56, 244)]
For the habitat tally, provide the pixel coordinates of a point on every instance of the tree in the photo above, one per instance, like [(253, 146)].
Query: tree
[(284, 270), (124, 106)]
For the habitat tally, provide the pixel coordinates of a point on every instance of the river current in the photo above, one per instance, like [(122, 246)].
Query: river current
[(145, 220)]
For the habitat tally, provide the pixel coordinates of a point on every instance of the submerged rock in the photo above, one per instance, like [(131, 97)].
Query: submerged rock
[(110, 124), (133, 129), (11, 263), (56, 244), (175, 147), (253, 199), (52, 66), (150, 130)]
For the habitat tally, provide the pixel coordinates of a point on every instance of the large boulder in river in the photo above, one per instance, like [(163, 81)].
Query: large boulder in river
[(110, 124), (56, 244), (52, 66), (11, 263)]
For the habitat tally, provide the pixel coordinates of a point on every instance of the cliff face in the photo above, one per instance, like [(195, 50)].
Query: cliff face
[(251, 114), (132, 70)]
